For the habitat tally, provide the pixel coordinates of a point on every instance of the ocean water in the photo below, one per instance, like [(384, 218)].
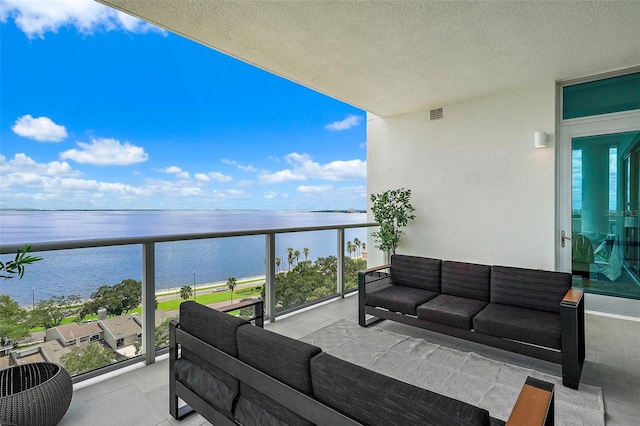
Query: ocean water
[(82, 271)]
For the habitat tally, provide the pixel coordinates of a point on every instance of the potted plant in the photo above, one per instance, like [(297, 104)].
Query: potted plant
[(392, 210)]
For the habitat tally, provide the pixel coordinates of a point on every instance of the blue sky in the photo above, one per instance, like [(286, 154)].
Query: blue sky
[(102, 111)]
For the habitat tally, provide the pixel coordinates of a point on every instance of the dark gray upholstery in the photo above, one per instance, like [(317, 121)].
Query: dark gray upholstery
[(529, 288), (375, 399), (414, 271), (284, 359), (468, 280), (399, 298), (207, 386), (451, 310), (219, 330), (525, 325)]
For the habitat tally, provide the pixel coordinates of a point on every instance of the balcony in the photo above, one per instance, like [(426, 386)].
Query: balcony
[(135, 391), (141, 396)]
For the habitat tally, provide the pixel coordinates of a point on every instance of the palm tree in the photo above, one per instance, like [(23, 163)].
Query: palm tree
[(278, 262), (290, 256), (350, 247), (186, 292), (296, 255), (231, 283), (306, 252), (357, 243)]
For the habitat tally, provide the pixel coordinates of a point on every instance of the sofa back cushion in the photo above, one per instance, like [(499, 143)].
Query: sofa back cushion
[(414, 271), (282, 358), (529, 288), (466, 280), (215, 328), (375, 399)]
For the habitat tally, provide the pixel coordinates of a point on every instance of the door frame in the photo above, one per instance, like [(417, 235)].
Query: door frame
[(568, 130)]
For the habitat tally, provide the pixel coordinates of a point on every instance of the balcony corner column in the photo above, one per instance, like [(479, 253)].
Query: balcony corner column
[(148, 302)]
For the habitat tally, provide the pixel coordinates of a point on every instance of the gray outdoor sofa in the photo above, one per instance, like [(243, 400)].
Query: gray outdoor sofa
[(234, 373), (532, 312)]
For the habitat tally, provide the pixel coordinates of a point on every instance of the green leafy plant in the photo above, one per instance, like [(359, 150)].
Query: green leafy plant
[(16, 266), (392, 210)]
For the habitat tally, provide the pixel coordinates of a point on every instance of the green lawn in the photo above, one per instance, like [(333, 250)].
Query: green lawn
[(174, 305)]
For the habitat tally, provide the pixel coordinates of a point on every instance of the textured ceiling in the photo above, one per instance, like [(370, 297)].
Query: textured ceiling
[(396, 57)]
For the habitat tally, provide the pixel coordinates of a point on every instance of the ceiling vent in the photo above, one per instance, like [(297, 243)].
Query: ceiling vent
[(435, 114)]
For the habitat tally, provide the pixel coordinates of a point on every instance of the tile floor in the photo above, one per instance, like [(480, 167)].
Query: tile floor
[(140, 397)]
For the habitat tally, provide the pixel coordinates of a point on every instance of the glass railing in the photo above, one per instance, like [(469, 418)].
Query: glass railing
[(97, 305)]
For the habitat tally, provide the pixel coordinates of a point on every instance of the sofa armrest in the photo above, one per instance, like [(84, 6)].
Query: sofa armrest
[(534, 406), (370, 279), (176, 412), (573, 346)]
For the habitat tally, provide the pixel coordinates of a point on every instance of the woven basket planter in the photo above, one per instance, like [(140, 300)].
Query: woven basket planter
[(34, 394)]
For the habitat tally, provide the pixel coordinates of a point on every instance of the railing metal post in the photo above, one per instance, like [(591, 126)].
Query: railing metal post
[(149, 302), (270, 275), (340, 265)]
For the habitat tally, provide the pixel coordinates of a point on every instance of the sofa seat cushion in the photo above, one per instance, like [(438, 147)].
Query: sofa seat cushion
[(284, 359), (375, 399), (451, 310), (207, 386), (399, 298), (415, 271), (525, 325)]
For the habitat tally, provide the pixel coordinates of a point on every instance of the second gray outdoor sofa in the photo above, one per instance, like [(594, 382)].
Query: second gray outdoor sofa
[(232, 372), (528, 311)]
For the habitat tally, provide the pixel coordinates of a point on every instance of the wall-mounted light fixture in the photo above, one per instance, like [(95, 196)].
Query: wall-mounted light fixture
[(540, 139)]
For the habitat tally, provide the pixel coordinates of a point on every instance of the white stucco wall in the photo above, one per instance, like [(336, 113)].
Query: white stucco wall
[(481, 191)]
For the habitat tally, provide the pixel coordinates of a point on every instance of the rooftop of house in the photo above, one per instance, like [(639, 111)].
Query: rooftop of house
[(73, 330), (121, 326)]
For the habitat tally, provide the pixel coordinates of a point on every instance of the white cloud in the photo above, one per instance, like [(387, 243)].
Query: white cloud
[(36, 17), (314, 189), (202, 177), (172, 169), (22, 164), (102, 152), (231, 194), (248, 169), (42, 129), (304, 168), (270, 195), (349, 122), (220, 177)]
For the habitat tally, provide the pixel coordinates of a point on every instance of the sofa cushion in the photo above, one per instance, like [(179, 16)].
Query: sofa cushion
[(451, 310), (217, 329), (207, 386), (414, 271), (529, 288), (468, 280), (525, 325), (398, 298), (375, 399), (282, 358)]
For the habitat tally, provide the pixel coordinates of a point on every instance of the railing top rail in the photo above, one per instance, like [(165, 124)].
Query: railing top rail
[(106, 242)]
